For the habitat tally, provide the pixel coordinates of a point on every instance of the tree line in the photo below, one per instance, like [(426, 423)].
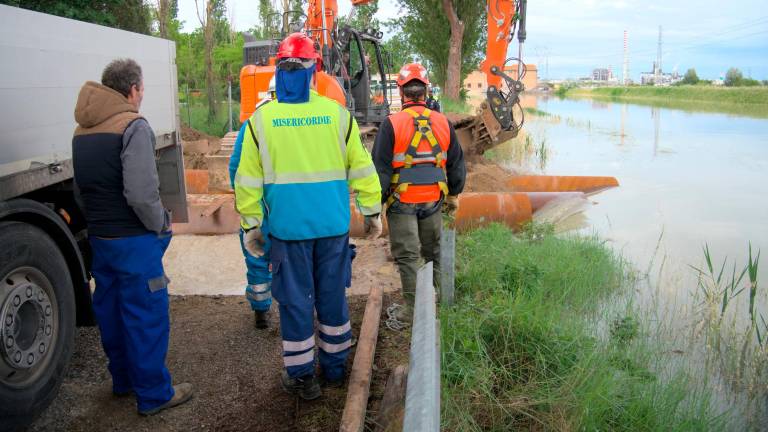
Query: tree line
[(211, 55), (733, 78)]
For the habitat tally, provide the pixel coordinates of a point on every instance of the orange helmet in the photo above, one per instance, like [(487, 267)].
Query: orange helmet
[(410, 72)]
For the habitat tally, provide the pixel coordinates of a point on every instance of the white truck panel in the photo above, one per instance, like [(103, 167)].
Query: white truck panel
[(46, 59)]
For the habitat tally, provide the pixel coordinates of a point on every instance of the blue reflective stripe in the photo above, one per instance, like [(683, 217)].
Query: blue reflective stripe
[(294, 209)]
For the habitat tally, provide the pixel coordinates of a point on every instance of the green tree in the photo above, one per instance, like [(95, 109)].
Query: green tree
[(749, 82), (690, 77), (428, 30), (165, 14), (130, 15), (189, 48), (734, 77), (213, 12), (399, 50), (228, 58), (269, 21)]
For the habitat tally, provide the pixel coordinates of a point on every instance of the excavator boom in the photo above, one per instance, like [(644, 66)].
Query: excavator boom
[(497, 120)]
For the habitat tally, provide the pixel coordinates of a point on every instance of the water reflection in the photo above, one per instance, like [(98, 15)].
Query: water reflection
[(697, 180), (656, 114)]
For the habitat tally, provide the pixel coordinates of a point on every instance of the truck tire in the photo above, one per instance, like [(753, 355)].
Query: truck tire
[(37, 322)]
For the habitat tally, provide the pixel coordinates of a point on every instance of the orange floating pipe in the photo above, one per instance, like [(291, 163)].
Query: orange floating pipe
[(480, 209), (587, 184), (216, 214), (539, 199), (475, 210)]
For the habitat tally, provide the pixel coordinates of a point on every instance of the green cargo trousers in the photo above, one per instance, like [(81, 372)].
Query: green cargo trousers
[(414, 240)]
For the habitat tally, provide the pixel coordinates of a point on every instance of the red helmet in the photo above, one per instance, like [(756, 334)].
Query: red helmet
[(297, 45), (410, 72)]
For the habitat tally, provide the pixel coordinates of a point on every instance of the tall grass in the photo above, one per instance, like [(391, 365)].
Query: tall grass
[(731, 331), (452, 106), (531, 344)]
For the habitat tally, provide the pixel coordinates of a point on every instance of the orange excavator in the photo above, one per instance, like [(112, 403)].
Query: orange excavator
[(355, 72), (352, 62)]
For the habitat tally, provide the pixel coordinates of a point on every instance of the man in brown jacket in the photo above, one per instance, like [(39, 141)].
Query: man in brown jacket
[(117, 186)]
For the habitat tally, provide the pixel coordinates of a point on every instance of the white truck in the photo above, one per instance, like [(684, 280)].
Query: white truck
[(44, 255)]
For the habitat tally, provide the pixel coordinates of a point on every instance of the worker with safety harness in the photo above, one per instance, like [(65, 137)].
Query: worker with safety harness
[(301, 153), (421, 169), (257, 290)]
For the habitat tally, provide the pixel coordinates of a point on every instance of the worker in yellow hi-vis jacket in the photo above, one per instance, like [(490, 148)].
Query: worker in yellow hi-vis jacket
[(301, 153)]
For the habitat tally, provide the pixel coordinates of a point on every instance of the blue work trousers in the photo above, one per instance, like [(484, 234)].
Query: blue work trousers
[(131, 307), (258, 290), (309, 276)]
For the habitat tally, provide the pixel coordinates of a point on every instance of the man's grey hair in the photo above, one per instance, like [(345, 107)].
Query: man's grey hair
[(121, 74)]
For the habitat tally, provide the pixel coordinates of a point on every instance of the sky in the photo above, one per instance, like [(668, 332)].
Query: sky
[(569, 38)]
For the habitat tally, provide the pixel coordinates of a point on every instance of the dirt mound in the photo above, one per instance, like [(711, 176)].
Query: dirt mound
[(196, 145), (190, 134), (195, 161), (486, 176)]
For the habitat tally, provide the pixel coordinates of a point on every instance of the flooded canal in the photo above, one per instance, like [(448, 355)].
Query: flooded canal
[(687, 179)]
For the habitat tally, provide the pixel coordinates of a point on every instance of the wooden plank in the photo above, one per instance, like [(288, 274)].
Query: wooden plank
[(392, 408), (353, 418)]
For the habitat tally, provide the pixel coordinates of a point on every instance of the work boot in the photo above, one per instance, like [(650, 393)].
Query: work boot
[(307, 388), (181, 393), (261, 319), (337, 383), (120, 394)]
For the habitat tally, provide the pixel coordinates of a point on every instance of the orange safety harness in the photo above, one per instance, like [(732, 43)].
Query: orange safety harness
[(419, 168)]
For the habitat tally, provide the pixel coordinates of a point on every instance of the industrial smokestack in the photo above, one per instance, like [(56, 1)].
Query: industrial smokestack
[(625, 68)]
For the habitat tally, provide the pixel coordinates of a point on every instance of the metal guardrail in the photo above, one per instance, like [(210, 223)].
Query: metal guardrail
[(447, 265), (422, 395)]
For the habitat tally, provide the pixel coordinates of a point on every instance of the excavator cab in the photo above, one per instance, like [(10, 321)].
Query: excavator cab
[(357, 63), (354, 73)]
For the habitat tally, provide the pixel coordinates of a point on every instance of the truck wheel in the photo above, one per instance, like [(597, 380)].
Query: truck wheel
[(37, 322)]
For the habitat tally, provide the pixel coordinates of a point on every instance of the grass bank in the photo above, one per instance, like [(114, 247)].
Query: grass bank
[(747, 101), (532, 345), (452, 106)]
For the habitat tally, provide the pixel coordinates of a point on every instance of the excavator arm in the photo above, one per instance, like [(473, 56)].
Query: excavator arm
[(498, 119), (504, 16)]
